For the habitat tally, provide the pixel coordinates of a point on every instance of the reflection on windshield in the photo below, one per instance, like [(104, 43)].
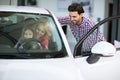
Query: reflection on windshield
[(29, 33)]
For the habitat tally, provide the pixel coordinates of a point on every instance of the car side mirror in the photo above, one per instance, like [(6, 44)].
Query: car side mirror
[(102, 48)]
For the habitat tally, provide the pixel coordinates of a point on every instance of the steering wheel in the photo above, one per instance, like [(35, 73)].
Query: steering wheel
[(31, 44)]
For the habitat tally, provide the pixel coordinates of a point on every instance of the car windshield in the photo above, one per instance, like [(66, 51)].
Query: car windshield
[(25, 35)]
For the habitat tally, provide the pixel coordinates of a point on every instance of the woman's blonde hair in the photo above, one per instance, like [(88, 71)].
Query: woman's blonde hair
[(46, 28)]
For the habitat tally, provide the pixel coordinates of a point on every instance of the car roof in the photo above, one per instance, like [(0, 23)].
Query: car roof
[(26, 9)]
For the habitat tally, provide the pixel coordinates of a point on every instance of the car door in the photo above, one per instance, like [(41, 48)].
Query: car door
[(105, 67)]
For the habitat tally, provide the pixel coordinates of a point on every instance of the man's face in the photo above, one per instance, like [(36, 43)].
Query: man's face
[(75, 17)]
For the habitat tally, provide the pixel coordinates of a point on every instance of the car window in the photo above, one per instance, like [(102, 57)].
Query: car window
[(29, 35)]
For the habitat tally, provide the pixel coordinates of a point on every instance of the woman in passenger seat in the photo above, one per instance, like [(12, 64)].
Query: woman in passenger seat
[(43, 33)]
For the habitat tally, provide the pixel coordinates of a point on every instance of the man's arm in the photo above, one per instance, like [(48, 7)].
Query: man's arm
[(64, 20)]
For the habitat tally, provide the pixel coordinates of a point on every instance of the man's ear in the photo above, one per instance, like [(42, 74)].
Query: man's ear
[(81, 14)]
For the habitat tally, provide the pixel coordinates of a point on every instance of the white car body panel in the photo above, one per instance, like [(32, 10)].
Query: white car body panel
[(26, 9), (104, 69), (38, 69)]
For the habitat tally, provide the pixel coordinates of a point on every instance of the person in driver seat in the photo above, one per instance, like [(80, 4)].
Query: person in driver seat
[(27, 40)]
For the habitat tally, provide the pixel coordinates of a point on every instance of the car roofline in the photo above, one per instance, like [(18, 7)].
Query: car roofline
[(26, 9)]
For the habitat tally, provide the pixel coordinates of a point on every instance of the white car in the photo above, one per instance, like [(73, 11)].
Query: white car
[(25, 60)]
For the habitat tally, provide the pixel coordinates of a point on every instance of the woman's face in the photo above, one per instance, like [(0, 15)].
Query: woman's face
[(40, 31), (28, 34)]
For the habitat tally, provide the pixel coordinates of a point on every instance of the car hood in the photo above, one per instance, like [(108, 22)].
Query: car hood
[(39, 69)]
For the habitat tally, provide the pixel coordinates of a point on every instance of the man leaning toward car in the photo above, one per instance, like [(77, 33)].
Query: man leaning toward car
[(80, 25)]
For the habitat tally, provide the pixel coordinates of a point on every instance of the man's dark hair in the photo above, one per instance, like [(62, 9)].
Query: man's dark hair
[(76, 7)]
